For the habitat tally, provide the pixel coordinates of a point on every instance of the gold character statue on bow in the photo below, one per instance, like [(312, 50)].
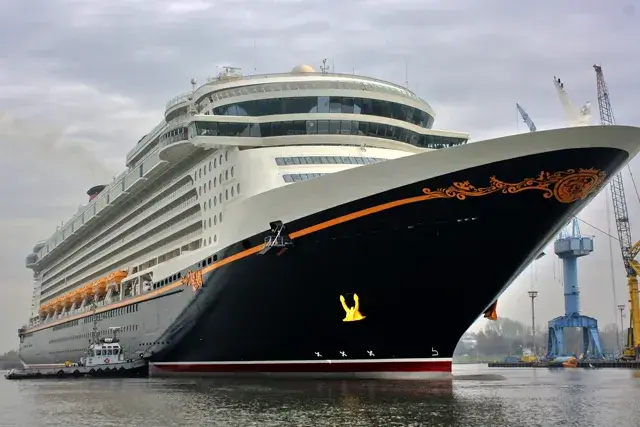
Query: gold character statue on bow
[(352, 313)]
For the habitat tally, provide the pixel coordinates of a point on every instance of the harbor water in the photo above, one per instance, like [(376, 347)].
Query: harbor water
[(478, 396)]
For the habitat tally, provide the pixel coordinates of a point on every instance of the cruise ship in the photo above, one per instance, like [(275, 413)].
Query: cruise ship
[(307, 224)]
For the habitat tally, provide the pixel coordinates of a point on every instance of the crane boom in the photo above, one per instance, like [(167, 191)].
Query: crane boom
[(621, 212), (526, 118), (618, 194)]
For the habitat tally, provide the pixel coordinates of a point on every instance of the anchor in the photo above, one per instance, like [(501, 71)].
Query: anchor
[(278, 239)]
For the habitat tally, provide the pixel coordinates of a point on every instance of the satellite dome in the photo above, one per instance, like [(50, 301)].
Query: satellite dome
[(303, 68)]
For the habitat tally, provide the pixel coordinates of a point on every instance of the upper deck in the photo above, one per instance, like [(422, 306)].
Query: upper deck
[(264, 110), (232, 83)]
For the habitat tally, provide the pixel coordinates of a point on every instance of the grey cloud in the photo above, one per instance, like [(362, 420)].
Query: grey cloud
[(81, 81)]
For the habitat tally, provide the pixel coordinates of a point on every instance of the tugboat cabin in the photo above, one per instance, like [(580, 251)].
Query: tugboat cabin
[(107, 351)]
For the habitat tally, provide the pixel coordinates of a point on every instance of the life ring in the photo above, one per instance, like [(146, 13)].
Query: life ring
[(106, 360)]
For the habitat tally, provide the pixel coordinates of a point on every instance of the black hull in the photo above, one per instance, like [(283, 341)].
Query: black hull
[(424, 263)]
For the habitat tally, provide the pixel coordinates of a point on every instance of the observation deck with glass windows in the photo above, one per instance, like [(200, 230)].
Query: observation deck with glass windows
[(304, 102)]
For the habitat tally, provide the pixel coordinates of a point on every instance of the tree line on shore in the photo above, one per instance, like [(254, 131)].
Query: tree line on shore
[(507, 337)]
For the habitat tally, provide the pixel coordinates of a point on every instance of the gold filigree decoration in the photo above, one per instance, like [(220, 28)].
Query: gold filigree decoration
[(193, 279), (565, 186)]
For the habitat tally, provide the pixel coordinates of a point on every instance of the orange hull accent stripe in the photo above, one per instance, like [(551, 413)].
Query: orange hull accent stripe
[(568, 186), (240, 255)]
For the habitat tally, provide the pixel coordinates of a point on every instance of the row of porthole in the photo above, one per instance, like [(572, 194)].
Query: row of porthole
[(215, 239), (216, 219), (203, 188), (234, 190), (212, 165)]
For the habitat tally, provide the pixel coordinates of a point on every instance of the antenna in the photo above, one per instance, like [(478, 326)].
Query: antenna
[(333, 64), (406, 73), (255, 67), (353, 69)]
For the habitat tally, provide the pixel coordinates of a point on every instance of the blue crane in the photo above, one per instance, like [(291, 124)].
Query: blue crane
[(569, 247), (526, 118)]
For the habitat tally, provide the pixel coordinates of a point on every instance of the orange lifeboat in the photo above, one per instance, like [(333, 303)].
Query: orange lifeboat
[(100, 286), (76, 296), (114, 279), (66, 300), (43, 309), (58, 303), (87, 290), (50, 307)]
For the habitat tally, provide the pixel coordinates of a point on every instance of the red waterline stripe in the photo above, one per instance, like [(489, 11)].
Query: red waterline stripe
[(440, 366)]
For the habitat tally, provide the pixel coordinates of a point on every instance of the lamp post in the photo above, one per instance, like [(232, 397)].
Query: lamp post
[(533, 295), (621, 308)]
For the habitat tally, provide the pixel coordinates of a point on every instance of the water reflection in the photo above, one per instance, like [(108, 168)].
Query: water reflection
[(525, 397)]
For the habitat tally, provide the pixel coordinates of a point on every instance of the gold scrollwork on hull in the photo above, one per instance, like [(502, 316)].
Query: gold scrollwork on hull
[(565, 186), (193, 279), (352, 313)]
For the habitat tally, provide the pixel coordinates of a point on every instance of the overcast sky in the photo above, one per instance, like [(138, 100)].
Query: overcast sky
[(82, 80)]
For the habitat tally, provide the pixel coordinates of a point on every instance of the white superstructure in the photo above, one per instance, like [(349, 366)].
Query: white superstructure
[(223, 142)]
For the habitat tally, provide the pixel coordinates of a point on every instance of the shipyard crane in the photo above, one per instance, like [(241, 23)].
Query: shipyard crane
[(573, 115), (629, 250), (526, 118)]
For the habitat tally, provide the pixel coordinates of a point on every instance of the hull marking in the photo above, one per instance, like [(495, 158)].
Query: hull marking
[(352, 313), (193, 279), (565, 186)]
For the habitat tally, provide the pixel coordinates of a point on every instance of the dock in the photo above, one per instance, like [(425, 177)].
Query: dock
[(581, 364), (125, 369)]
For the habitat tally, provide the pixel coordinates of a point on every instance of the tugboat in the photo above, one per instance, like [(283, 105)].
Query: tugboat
[(105, 358)]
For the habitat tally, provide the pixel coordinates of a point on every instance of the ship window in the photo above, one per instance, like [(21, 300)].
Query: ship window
[(333, 104), (317, 160), (300, 176), (353, 128)]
